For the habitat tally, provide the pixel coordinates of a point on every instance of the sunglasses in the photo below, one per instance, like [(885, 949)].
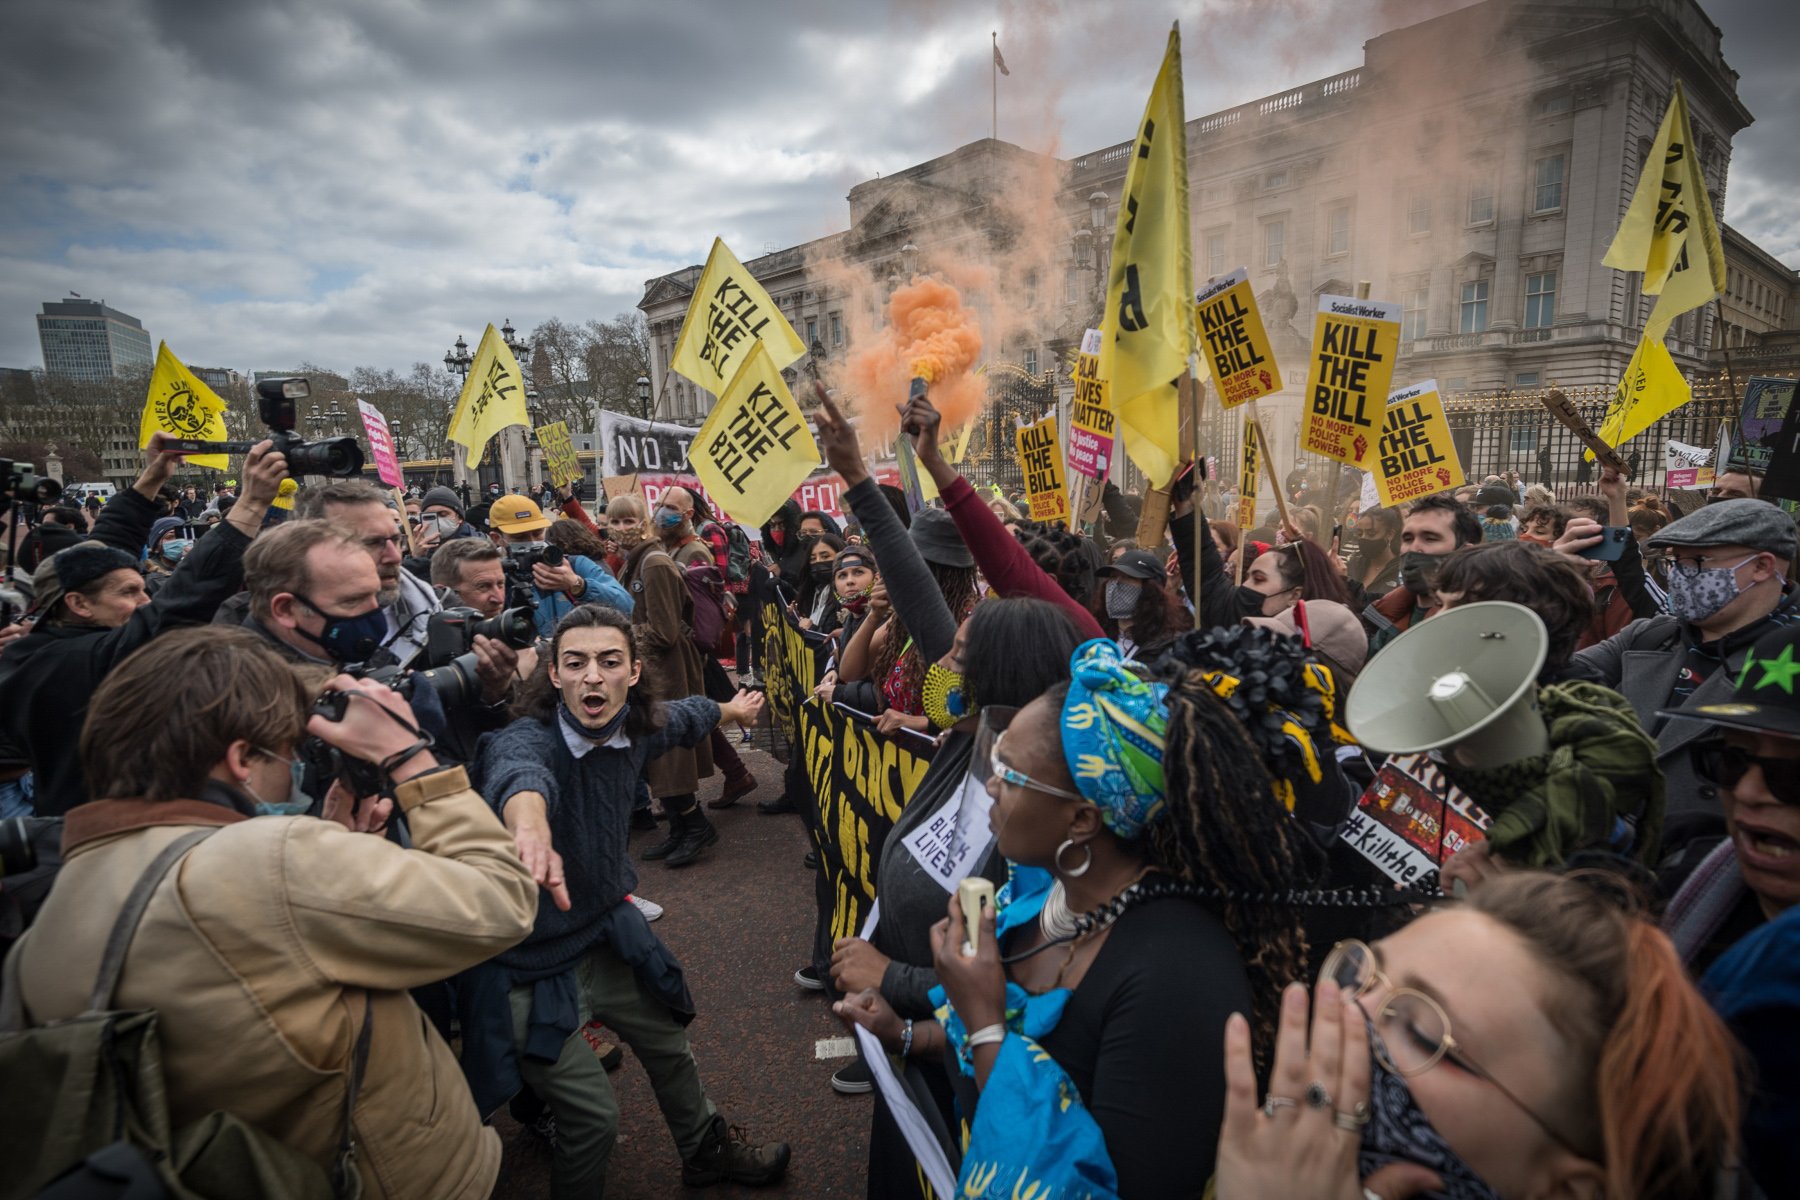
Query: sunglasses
[(1719, 762)]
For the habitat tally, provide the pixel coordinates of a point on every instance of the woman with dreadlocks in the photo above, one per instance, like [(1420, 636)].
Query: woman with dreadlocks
[(1134, 922)]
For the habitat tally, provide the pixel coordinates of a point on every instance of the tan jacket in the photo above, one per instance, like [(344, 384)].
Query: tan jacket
[(261, 949), (662, 610)]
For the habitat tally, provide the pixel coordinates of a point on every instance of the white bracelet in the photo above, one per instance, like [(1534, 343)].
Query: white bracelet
[(987, 1035)]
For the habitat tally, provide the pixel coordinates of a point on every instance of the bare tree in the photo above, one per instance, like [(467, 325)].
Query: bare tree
[(619, 352)]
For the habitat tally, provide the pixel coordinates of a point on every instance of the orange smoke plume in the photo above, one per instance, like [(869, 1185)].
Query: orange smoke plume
[(928, 332)]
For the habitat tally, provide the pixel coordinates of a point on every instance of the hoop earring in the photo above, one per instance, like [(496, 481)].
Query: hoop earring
[(1079, 871)]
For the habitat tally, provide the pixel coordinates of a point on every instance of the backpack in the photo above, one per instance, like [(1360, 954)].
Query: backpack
[(737, 552), (707, 624), (87, 1112)]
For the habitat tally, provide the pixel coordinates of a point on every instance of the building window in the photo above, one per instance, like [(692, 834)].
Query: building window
[(1547, 194), (1474, 306), (837, 329), (1524, 440), (1031, 361), (1555, 102), (1418, 211), (1274, 243), (1337, 230), (1540, 300), (1275, 179), (812, 330), (1412, 317), (1481, 202), (1215, 253), (1525, 379)]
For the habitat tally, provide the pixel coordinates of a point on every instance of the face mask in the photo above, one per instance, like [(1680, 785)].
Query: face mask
[(1696, 598), (298, 803), (667, 519), (174, 548), (1122, 598), (347, 639), (778, 536), (823, 572), (1249, 601), (1398, 1131), (1416, 570), (945, 696), (857, 604)]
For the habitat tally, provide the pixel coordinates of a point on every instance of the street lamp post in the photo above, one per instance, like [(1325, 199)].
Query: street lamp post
[(457, 362), (515, 453)]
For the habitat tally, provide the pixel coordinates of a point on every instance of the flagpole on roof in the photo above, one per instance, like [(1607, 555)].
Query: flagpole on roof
[(994, 80)]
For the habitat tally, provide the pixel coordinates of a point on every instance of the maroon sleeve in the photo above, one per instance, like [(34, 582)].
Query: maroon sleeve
[(1006, 566)]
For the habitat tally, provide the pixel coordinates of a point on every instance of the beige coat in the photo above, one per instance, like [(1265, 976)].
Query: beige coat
[(261, 949), (662, 609)]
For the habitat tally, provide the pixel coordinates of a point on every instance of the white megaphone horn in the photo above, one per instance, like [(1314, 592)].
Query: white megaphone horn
[(1463, 684)]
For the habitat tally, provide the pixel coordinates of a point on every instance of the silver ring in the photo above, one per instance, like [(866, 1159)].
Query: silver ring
[(1352, 1121), (1317, 1096), (1274, 1102), (1372, 1194)]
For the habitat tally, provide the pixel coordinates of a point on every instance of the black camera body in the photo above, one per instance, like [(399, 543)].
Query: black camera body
[(452, 632), (518, 561), (19, 482), (337, 458)]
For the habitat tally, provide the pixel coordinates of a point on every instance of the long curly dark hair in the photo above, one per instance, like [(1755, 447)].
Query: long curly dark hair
[(957, 586), (1226, 830)]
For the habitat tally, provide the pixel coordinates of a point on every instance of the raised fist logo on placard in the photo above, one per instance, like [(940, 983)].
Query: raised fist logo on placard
[(1443, 476), (1360, 445)]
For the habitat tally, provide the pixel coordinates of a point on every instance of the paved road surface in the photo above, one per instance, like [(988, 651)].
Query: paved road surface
[(740, 920)]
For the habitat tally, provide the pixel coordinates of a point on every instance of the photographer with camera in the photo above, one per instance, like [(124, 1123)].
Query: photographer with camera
[(407, 601), (91, 611), (276, 951), (558, 582)]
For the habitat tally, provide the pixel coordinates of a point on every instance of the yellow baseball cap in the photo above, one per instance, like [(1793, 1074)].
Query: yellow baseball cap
[(517, 514)]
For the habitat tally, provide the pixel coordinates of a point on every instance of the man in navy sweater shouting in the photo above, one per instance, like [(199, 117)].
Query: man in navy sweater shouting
[(563, 777)]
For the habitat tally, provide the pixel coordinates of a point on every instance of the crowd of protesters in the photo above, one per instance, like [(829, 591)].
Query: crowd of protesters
[(376, 891)]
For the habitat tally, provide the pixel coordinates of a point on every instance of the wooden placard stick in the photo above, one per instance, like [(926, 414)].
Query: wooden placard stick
[(1564, 411)]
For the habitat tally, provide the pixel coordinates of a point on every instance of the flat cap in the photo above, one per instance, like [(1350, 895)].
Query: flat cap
[(1753, 523)]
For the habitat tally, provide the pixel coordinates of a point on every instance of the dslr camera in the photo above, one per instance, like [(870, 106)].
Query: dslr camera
[(338, 457), (18, 482), (451, 633)]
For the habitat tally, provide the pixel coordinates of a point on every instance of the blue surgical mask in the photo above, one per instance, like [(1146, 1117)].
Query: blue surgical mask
[(668, 518), (347, 639), (174, 548), (297, 803)]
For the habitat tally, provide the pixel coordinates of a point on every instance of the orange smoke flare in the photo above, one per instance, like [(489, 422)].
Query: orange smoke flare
[(928, 333)]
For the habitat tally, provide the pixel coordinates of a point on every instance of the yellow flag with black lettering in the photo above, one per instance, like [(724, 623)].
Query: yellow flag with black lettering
[(754, 449), (493, 398), (180, 405), (1148, 323), (1668, 231), (1651, 388), (729, 314)]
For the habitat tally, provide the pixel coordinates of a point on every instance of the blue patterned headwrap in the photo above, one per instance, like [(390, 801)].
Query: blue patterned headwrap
[(1112, 735)]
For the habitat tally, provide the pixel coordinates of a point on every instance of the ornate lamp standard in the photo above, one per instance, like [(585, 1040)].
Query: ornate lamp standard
[(457, 361)]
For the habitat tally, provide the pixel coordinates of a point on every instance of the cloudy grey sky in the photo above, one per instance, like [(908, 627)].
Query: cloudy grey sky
[(356, 182)]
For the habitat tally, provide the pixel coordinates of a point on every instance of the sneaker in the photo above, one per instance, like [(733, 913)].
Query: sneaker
[(609, 1054), (727, 1154), (650, 908), (745, 736), (811, 861), (545, 1128), (808, 978), (853, 1079)]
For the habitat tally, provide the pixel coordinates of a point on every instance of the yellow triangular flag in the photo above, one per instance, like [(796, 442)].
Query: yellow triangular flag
[(180, 405), (729, 314), (1668, 231), (493, 397), (1149, 317), (754, 449), (1651, 388)]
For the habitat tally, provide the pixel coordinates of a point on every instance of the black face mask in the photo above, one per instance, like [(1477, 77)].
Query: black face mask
[(1398, 1131), (823, 572), (1249, 601), (1418, 570)]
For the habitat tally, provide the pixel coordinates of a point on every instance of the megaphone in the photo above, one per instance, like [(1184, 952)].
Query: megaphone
[(1463, 684)]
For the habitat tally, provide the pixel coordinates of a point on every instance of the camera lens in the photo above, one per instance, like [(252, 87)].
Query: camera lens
[(338, 458)]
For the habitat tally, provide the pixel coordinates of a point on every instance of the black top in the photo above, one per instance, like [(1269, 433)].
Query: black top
[(1143, 1038)]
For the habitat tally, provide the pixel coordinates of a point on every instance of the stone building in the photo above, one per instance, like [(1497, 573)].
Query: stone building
[(1473, 170)]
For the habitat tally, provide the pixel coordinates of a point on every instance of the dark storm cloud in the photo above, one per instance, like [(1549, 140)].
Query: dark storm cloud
[(358, 181)]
